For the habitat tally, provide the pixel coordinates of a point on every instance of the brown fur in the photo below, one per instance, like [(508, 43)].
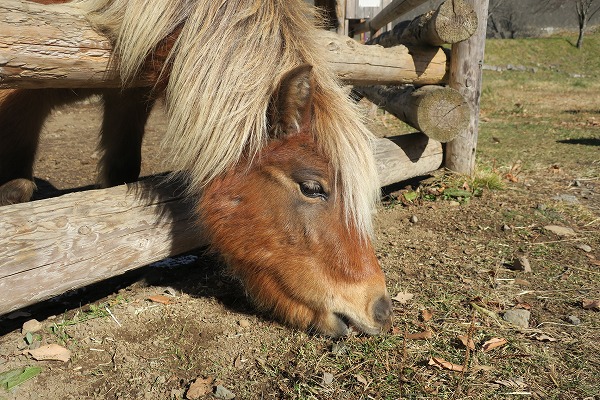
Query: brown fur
[(290, 250)]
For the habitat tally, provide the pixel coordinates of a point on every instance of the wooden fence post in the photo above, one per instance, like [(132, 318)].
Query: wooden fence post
[(466, 64)]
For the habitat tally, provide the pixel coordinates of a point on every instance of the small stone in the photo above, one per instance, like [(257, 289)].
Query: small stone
[(413, 219), (517, 317), (560, 230), (521, 263), (541, 207), (453, 203), (566, 198), (584, 247), (572, 319), (33, 325), (244, 323), (505, 227), (327, 378), (221, 392)]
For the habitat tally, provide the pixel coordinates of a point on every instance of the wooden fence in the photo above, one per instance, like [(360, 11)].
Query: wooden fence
[(50, 246)]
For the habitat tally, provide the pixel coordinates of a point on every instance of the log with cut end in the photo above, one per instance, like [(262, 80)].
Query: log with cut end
[(439, 112), (452, 22), (55, 47), (54, 245)]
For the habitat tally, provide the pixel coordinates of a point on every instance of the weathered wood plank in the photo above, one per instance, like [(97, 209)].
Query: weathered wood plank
[(54, 245)]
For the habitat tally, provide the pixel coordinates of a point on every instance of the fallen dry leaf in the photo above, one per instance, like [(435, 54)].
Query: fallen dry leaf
[(426, 315), (443, 364), (467, 341), (517, 383), (524, 306), (403, 297), (542, 337), (361, 379), (200, 387), (589, 304), (239, 360), (511, 178), (159, 298), (50, 352), (493, 343), (426, 334)]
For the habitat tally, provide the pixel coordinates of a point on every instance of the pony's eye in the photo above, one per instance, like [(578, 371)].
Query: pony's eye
[(313, 189)]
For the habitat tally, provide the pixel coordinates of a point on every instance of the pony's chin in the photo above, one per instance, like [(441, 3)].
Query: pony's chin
[(344, 325)]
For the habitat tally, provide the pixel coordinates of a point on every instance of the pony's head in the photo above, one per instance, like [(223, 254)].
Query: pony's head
[(278, 219)]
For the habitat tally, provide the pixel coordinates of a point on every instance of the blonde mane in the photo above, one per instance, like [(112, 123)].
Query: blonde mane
[(225, 65)]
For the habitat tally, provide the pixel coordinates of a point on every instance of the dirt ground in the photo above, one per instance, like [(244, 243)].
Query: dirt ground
[(452, 256)]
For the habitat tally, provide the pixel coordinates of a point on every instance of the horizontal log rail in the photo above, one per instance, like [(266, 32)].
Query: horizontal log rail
[(55, 47), (452, 22), (51, 246)]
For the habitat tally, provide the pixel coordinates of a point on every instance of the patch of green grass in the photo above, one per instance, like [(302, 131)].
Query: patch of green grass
[(555, 53), (94, 311)]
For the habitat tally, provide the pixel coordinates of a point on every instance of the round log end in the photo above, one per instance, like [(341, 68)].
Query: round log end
[(456, 21), (442, 112)]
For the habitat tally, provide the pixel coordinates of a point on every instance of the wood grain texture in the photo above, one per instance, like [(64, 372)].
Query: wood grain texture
[(51, 46), (452, 22), (439, 112), (403, 157), (465, 76), (359, 64), (54, 47), (54, 245)]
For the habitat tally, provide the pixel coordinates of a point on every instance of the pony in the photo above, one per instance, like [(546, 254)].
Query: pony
[(274, 152)]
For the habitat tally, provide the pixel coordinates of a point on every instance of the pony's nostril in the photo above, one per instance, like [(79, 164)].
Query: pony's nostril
[(382, 310)]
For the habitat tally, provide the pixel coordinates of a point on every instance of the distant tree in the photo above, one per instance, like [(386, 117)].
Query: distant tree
[(586, 9), (505, 18)]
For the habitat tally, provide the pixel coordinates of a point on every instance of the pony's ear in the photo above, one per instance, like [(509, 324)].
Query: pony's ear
[(291, 104)]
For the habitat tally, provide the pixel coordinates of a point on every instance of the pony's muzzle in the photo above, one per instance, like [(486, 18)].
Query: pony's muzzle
[(382, 312)]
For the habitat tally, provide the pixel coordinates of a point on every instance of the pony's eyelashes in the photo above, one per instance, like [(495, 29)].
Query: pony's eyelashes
[(313, 189)]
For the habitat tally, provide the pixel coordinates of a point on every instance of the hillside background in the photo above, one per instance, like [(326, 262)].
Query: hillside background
[(524, 18)]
